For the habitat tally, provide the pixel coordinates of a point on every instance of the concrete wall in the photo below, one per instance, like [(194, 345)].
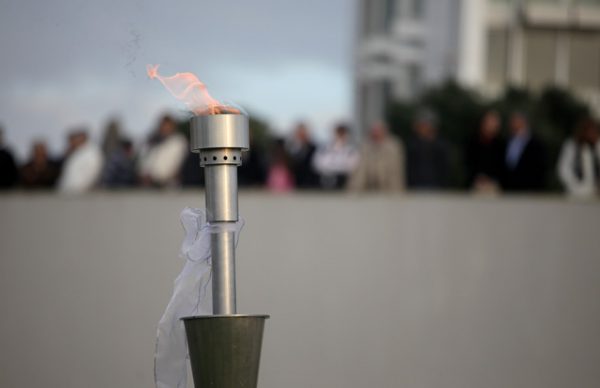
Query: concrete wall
[(412, 292)]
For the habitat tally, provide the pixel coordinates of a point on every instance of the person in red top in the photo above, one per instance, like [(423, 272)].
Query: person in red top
[(280, 178)]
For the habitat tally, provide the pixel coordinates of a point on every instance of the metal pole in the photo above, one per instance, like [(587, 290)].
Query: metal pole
[(222, 207), (223, 276), (220, 140), (224, 347)]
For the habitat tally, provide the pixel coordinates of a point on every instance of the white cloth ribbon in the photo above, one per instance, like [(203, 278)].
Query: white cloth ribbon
[(192, 295)]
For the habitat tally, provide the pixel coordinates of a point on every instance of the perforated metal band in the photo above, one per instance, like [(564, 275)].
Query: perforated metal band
[(214, 156)]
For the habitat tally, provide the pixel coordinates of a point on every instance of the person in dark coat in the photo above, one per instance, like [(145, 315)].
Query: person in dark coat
[(9, 175), (253, 171), (427, 155), (484, 155), (119, 169), (191, 175), (39, 172), (301, 150), (524, 158)]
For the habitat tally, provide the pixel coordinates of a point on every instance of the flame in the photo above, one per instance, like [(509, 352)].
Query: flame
[(187, 88)]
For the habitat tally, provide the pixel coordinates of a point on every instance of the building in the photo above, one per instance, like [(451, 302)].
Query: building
[(404, 46)]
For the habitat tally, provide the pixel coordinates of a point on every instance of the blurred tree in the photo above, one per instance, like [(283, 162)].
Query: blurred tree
[(560, 110), (513, 99), (400, 116), (253, 171), (458, 111), (183, 126), (260, 133)]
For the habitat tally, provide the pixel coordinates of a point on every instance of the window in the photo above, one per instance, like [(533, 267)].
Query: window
[(418, 9), (389, 14), (540, 58), (378, 16), (496, 56), (584, 60), (415, 81), (367, 17)]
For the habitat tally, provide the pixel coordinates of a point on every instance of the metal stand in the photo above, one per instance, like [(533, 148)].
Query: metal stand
[(220, 139), (225, 347), (225, 350)]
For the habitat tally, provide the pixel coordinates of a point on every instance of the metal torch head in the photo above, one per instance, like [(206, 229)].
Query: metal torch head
[(220, 138)]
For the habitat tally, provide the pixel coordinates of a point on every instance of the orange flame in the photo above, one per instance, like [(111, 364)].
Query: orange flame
[(187, 88)]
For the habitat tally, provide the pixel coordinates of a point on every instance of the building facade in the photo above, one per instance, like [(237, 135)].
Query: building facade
[(405, 46)]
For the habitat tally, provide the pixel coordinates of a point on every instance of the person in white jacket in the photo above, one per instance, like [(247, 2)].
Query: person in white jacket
[(167, 149), (579, 161), (335, 162), (82, 166)]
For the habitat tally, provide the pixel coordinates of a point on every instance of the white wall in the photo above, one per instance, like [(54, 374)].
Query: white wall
[(363, 291)]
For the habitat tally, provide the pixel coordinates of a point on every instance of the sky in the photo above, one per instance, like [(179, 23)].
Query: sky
[(73, 63)]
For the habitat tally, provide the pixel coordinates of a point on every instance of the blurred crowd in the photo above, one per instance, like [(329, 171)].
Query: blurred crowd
[(383, 162)]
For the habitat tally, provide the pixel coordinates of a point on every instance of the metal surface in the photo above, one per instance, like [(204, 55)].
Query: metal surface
[(221, 193), (219, 131), (225, 350), (218, 156), (223, 276), (220, 140)]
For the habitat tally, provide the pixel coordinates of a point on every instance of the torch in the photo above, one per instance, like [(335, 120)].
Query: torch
[(224, 348), (220, 139)]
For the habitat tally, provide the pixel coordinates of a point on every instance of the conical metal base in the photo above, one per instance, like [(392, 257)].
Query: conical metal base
[(225, 349)]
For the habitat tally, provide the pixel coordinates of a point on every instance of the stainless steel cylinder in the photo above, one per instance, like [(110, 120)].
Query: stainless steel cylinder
[(224, 348), (220, 139), (221, 193), (223, 273), (219, 131)]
